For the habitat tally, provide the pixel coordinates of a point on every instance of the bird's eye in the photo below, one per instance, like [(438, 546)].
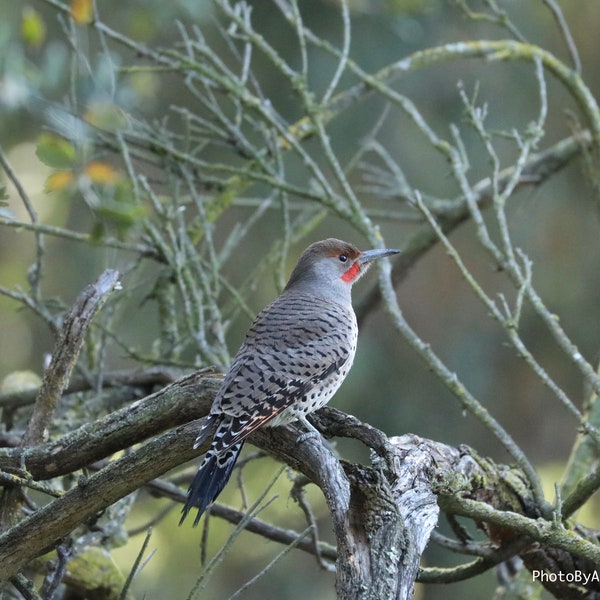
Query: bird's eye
[(343, 257)]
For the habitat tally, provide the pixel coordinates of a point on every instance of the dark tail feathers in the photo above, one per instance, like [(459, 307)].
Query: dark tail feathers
[(213, 474)]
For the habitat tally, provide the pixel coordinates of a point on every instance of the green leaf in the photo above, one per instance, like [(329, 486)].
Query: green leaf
[(118, 207), (55, 151), (106, 116), (121, 215)]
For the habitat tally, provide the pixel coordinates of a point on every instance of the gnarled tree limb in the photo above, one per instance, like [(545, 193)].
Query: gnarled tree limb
[(382, 515)]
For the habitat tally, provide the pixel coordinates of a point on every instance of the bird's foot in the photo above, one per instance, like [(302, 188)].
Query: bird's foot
[(307, 435), (314, 433), (311, 431)]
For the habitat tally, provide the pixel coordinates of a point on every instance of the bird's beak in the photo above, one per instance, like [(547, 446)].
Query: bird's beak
[(369, 255)]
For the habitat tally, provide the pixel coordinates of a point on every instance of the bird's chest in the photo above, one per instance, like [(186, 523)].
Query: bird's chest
[(320, 393)]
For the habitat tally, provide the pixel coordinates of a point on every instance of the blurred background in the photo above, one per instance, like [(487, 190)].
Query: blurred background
[(389, 387)]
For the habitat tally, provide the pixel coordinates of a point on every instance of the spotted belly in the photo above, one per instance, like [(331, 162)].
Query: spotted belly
[(318, 397)]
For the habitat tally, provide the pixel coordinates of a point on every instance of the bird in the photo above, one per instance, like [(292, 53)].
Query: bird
[(294, 358)]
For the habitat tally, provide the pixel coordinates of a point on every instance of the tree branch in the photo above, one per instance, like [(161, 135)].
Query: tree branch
[(66, 353), (454, 213), (382, 515), (183, 401)]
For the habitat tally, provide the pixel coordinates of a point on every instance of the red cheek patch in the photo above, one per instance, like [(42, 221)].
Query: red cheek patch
[(351, 273)]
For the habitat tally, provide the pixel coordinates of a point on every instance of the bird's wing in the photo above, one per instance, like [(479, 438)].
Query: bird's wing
[(286, 356), (274, 393)]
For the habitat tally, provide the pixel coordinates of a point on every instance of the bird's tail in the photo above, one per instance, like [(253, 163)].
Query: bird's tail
[(213, 474)]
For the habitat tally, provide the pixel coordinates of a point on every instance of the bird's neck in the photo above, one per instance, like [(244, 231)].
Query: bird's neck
[(338, 292)]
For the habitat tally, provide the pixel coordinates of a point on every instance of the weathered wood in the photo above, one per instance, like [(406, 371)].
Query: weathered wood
[(382, 514)]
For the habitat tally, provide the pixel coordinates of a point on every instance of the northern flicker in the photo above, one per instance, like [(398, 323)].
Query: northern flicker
[(294, 358)]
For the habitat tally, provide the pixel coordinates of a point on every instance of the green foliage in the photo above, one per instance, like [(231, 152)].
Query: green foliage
[(55, 151)]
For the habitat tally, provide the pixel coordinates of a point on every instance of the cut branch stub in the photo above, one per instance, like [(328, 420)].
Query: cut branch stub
[(66, 353)]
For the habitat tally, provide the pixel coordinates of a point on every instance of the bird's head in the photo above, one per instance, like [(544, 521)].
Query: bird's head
[(333, 265)]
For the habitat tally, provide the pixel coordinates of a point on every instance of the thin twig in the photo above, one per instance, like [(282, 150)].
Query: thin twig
[(277, 558), (566, 32), (35, 275), (136, 566)]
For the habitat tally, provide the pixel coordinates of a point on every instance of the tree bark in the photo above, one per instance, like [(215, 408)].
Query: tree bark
[(382, 514)]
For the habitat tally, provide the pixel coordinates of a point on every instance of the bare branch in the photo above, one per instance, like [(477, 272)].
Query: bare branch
[(451, 215), (66, 353), (185, 400)]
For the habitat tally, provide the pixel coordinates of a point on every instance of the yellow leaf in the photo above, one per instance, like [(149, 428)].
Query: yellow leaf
[(33, 28), (101, 173), (58, 181), (82, 11)]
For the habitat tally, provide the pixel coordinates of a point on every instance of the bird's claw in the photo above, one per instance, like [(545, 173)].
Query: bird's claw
[(307, 435)]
